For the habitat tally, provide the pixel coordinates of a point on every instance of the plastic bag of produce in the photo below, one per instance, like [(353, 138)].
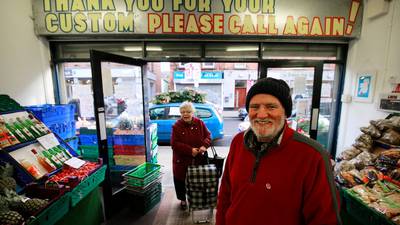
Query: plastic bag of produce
[(365, 138), (372, 131), (363, 159), (348, 154), (391, 137), (382, 124), (343, 166)]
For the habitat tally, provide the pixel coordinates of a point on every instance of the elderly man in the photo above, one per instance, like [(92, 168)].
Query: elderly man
[(274, 175)]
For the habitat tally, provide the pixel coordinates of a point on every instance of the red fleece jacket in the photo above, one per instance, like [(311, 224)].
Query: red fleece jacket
[(291, 186)]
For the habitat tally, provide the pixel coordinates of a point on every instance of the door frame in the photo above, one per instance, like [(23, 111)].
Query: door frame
[(317, 84), (96, 58)]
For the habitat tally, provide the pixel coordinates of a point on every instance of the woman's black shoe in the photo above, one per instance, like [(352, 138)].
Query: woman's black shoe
[(183, 205)]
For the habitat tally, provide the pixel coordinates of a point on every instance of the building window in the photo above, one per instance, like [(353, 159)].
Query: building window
[(240, 65), (208, 65)]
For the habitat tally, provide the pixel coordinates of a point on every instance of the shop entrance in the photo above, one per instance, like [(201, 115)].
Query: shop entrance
[(130, 132)]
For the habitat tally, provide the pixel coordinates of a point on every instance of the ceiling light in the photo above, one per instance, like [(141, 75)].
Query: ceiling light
[(133, 48), (154, 48), (241, 48)]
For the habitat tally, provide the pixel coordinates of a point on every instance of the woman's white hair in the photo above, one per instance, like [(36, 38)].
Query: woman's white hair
[(187, 105)]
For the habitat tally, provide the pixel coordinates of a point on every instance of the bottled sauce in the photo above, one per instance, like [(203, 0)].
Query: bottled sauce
[(52, 158), (63, 151), (39, 125), (59, 156), (31, 128), (18, 134), (44, 162), (32, 169), (23, 129)]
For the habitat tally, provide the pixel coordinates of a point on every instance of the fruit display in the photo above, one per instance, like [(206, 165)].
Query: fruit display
[(15, 208), (68, 173)]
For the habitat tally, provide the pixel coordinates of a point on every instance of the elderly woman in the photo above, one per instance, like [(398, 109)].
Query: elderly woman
[(189, 140)]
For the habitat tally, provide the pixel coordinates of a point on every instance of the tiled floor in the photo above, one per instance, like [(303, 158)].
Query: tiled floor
[(167, 212)]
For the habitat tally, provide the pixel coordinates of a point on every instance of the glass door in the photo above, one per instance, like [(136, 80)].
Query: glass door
[(304, 80), (120, 105)]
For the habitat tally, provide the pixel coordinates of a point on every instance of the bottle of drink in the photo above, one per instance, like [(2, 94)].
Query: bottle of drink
[(23, 129), (64, 151), (18, 134), (39, 128), (59, 156), (39, 125), (52, 158), (32, 169), (31, 129), (44, 162)]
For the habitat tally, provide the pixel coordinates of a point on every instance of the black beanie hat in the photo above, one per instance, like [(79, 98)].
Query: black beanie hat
[(275, 87)]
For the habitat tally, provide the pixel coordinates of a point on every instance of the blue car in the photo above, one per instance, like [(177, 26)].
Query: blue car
[(165, 115)]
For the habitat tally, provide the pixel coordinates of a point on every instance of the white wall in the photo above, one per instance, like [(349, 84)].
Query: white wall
[(377, 50), (24, 58)]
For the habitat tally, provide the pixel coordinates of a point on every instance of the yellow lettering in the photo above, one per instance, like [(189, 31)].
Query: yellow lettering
[(107, 5), (80, 22), (268, 6), (328, 28), (154, 21), (176, 5), (65, 22), (190, 5), (316, 27), (109, 22), (129, 5), (290, 27), (248, 27), (205, 21), (260, 25), (218, 24), (77, 5), (254, 6), (234, 24), (93, 5), (178, 23), (302, 26), (125, 22), (338, 26), (143, 5), (51, 20), (204, 6), (227, 5), (165, 20), (271, 25), (191, 26), (157, 5), (240, 6), (94, 21), (61, 5), (46, 5)]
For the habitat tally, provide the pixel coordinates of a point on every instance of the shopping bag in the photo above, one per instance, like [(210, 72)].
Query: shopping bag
[(202, 186), (218, 161)]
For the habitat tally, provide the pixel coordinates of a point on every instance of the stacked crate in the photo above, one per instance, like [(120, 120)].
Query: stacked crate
[(88, 144), (144, 186), (59, 119), (129, 149)]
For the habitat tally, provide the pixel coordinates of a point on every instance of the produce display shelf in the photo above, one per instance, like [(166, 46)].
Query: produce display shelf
[(87, 185), (362, 212)]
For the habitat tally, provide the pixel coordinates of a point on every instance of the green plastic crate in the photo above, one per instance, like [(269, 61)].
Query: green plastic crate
[(362, 212), (91, 153), (144, 202), (142, 174), (87, 185)]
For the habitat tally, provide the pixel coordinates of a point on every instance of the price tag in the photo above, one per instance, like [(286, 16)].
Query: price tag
[(75, 162), (48, 141)]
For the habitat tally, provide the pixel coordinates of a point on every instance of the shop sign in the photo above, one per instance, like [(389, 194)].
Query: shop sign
[(287, 18), (212, 75), (179, 75)]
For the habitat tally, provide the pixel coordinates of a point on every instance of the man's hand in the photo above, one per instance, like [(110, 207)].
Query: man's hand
[(203, 149)]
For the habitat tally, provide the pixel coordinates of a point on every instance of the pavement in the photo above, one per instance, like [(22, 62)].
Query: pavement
[(230, 113)]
